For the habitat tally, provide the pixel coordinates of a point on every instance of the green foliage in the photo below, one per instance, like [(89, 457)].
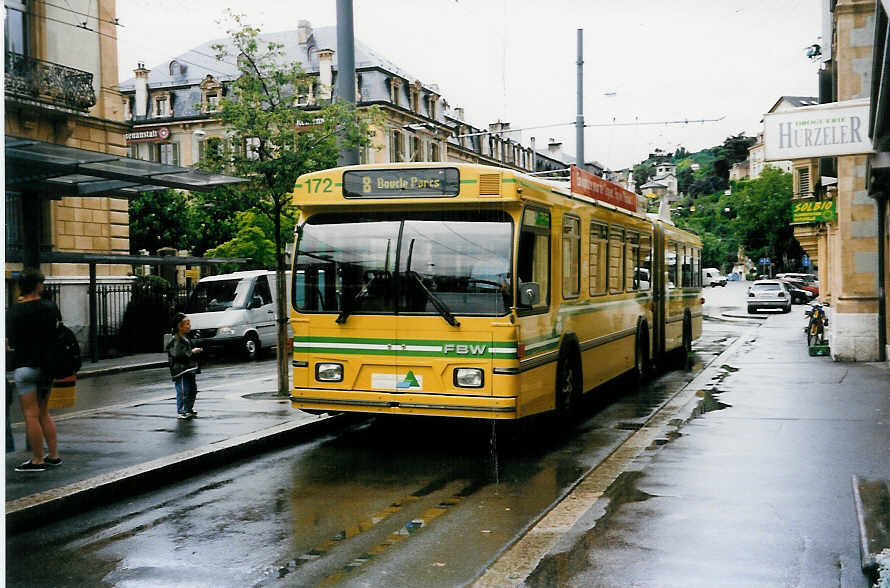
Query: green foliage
[(252, 240), (735, 148), (762, 211), (150, 285), (756, 215), (161, 219), (147, 316), (643, 172)]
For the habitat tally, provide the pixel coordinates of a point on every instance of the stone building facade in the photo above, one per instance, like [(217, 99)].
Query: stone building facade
[(846, 249), (60, 87)]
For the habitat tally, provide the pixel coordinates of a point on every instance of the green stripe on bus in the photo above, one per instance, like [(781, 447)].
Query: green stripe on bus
[(492, 350), (509, 180), (468, 181)]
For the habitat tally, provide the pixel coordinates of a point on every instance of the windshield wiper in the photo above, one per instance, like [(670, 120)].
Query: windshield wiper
[(440, 306)]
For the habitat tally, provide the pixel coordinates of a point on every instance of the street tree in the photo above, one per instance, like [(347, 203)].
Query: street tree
[(163, 218), (271, 141), (762, 215)]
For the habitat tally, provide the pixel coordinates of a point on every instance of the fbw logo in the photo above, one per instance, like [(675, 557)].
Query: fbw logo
[(462, 349)]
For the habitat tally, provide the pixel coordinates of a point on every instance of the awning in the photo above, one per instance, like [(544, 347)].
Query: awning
[(59, 170)]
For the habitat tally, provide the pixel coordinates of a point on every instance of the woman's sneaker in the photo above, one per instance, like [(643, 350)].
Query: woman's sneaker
[(182, 415), (52, 462), (29, 466), (192, 414)]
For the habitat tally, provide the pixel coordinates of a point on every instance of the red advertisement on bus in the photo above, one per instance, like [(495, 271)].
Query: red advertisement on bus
[(587, 184)]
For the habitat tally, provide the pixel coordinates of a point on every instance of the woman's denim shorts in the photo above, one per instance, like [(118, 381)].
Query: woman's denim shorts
[(30, 379)]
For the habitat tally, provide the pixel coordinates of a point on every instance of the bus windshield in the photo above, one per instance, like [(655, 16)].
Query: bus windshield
[(408, 263)]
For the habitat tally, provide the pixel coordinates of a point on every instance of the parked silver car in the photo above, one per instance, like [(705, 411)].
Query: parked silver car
[(769, 294)]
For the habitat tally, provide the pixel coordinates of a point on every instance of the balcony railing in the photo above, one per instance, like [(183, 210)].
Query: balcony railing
[(49, 82)]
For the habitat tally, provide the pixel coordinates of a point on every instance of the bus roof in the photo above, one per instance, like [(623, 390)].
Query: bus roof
[(506, 176)]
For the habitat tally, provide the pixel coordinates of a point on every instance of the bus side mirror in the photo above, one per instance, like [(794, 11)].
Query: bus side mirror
[(256, 302), (529, 294)]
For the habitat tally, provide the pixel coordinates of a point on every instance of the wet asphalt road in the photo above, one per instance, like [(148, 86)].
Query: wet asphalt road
[(383, 502)]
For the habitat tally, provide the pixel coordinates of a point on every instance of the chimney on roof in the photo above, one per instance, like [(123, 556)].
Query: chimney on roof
[(325, 73), (141, 99), (554, 146), (304, 31), (459, 113), (497, 127)]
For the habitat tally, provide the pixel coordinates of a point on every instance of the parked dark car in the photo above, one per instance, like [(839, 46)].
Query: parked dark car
[(799, 294)]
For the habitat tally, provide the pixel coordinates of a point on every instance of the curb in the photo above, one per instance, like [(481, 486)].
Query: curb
[(538, 551), (120, 368), (49, 506), (872, 501)]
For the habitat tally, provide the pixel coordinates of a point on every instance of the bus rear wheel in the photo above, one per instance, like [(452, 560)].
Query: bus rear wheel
[(684, 353), (642, 362), (568, 386)]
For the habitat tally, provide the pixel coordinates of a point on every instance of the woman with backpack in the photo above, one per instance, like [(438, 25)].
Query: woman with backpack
[(30, 333), (183, 367)]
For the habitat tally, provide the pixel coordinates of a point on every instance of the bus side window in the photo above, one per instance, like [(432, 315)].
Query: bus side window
[(670, 263), (645, 264), (632, 262), (616, 259), (533, 263), (686, 256), (599, 235), (571, 257)]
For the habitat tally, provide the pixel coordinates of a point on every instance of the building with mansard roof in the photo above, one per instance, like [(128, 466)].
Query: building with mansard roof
[(173, 106)]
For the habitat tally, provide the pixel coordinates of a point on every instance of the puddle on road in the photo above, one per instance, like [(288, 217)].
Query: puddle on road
[(558, 566)]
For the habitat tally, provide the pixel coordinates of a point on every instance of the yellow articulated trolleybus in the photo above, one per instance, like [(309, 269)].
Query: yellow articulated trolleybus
[(463, 290)]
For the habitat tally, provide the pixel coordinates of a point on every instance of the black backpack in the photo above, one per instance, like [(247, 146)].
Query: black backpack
[(65, 353)]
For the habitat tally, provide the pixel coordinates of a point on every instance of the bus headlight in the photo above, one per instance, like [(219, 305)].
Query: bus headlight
[(468, 377), (225, 331), (329, 372)]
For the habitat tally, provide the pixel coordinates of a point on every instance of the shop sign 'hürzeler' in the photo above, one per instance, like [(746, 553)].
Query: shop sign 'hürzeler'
[(836, 128)]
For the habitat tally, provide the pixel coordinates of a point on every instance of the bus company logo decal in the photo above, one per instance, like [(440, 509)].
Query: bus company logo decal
[(409, 381), (460, 349)]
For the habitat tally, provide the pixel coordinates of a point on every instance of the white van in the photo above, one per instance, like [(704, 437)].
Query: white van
[(235, 312), (712, 277)]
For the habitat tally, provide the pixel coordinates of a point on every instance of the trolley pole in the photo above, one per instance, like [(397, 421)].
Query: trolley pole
[(579, 119), (345, 86)]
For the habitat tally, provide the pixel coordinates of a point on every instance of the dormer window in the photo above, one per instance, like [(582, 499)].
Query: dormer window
[(162, 106), (211, 92), (395, 88), (414, 92)]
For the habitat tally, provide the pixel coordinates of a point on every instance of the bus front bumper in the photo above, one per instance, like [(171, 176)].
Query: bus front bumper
[(479, 407)]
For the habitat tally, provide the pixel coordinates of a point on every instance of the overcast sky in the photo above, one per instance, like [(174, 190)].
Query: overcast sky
[(515, 60)]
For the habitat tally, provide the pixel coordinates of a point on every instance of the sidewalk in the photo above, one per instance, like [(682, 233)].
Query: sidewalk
[(136, 446), (769, 469)]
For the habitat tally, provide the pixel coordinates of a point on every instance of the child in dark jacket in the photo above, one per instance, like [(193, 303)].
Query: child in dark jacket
[(183, 367)]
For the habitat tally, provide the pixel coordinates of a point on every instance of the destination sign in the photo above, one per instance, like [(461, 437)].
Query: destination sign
[(401, 183)]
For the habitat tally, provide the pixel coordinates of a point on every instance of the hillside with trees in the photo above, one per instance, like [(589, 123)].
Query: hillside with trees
[(752, 213)]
